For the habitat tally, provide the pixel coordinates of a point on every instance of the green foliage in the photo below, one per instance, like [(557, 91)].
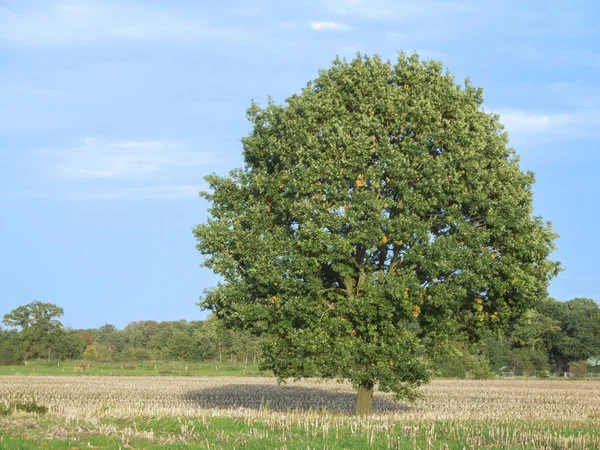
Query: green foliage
[(104, 352), (31, 407), (90, 353), (377, 211), (177, 340), (578, 337), (41, 331), (536, 343), (481, 369), (579, 369), (5, 409), (142, 354), (533, 328), (41, 336), (331, 432), (71, 345), (136, 368), (11, 348), (529, 362), (462, 361), (495, 347), (35, 314)]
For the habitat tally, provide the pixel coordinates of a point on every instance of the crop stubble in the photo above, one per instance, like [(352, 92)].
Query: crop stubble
[(88, 396)]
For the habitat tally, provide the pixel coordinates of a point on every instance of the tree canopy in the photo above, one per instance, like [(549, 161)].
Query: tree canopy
[(578, 337), (377, 212), (41, 331)]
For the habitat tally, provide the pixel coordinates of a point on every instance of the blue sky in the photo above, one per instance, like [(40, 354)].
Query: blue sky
[(111, 113)]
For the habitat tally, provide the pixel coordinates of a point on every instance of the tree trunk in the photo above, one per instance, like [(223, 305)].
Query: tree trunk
[(364, 399)]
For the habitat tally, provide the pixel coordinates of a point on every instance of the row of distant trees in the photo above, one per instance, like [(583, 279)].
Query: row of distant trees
[(35, 332), (555, 337)]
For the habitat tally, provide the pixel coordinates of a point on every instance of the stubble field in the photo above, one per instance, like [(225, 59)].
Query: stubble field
[(237, 412)]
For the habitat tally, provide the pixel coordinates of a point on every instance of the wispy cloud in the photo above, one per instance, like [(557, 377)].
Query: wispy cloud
[(528, 127), (141, 193), (80, 21), (527, 122), (96, 159), (32, 91), (329, 26), (393, 9), (582, 278)]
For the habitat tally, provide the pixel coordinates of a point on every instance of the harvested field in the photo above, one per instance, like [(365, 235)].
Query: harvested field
[(443, 399), (256, 413)]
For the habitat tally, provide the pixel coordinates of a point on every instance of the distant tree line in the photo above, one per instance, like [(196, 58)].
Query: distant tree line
[(36, 333), (554, 338)]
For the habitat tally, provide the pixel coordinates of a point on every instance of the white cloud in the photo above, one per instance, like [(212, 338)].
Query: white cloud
[(527, 128), (81, 21), (141, 193), (526, 122), (33, 91), (393, 9), (326, 26), (94, 159)]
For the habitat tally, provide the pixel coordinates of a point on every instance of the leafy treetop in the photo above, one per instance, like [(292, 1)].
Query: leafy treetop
[(377, 211)]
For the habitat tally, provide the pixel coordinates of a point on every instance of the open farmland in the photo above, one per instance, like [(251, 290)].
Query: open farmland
[(203, 412)]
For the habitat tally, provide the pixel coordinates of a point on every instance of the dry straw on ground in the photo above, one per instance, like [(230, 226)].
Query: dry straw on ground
[(91, 396), (530, 414)]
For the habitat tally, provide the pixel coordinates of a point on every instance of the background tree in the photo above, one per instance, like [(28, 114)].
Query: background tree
[(40, 328), (90, 353), (87, 336), (106, 330), (181, 345), (378, 212), (217, 337), (71, 345), (104, 352), (11, 351), (533, 328), (496, 348), (579, 335), (529, 336), (462, 360)]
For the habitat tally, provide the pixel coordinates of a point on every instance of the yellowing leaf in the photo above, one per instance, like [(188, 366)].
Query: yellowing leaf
[(416, 311), (360, 181)]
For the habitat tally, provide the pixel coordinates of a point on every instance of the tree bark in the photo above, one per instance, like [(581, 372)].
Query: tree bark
[(364, 399)]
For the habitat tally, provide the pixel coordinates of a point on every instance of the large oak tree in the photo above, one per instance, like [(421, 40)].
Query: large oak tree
[(377, 213)]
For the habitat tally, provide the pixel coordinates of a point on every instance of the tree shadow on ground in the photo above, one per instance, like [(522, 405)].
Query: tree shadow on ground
[(284, 398)]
